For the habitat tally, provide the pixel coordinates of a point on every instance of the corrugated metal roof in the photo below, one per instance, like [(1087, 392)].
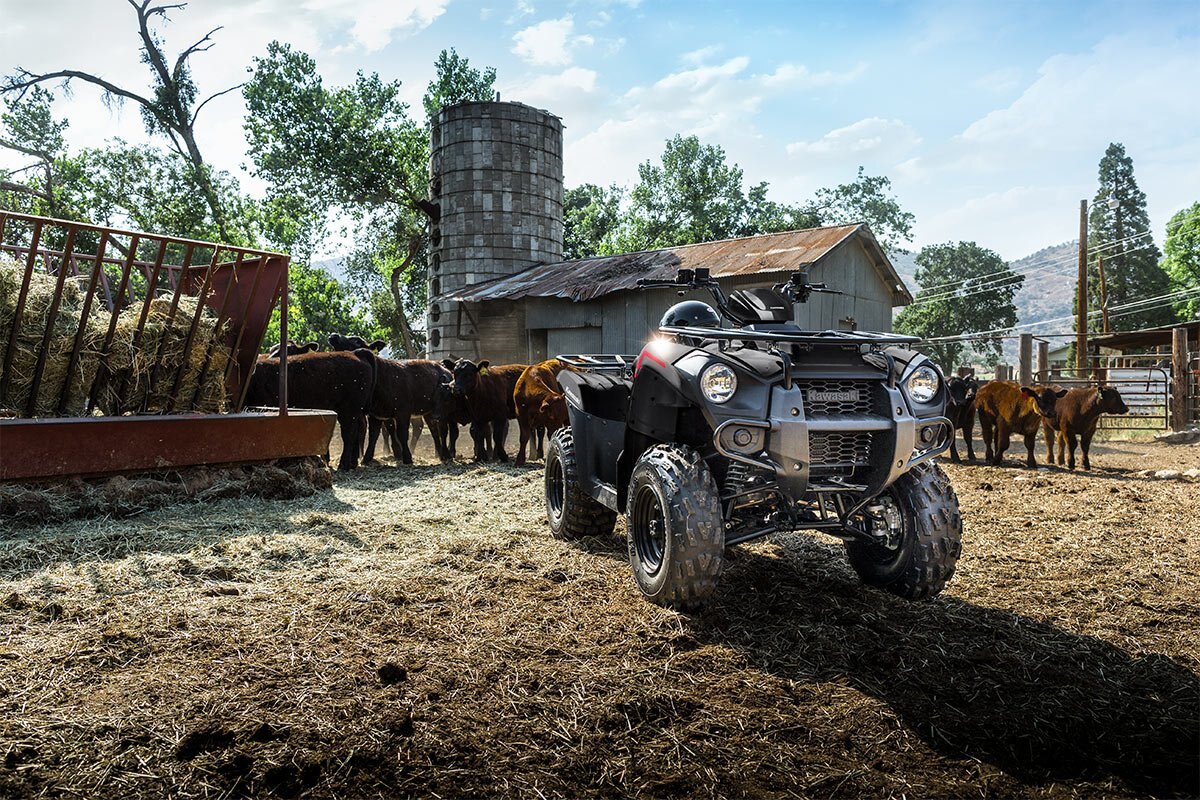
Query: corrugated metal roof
[(589, 278)]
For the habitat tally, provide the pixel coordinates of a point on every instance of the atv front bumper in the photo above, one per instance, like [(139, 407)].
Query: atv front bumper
[(803, 450)]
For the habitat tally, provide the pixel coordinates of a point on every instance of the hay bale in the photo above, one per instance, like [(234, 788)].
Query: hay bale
[(162, 343), (31, 328)]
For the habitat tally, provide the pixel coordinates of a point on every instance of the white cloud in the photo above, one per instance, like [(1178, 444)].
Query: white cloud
[(871, 136), (798, 76), (547, 43), (373, 23), (700, 55)]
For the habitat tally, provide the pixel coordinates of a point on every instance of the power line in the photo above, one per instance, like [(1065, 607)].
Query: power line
[(996, 285), (1050, 266), (1170, 299), (1037, 264)]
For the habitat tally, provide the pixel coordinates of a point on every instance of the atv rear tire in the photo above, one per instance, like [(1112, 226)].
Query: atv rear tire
[(675, 529), (931, 541), (571, 511)]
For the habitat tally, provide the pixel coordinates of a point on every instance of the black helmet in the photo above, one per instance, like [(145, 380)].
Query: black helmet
[(690, 313)]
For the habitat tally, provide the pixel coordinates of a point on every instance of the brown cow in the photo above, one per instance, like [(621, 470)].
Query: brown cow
[(1006, 408), (488, 392), (1078, 414), (541, 407), (338, 382)]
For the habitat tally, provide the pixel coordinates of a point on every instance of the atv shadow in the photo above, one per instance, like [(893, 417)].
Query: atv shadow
[(1032, 699)]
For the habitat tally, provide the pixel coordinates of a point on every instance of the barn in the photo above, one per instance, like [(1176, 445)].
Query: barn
[(594, 306)]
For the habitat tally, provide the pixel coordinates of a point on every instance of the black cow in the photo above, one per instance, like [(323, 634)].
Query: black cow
[(960, 410), (340, 382)]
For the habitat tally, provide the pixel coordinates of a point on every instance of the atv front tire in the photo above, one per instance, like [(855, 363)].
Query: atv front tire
[(923, 560), (571, 511), (675, 529)]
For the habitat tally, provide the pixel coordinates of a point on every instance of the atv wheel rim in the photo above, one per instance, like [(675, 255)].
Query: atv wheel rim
[(649, 529), (555, 489)]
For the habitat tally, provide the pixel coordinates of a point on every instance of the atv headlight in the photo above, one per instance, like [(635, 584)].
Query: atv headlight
[(718, 383), (922, 385)]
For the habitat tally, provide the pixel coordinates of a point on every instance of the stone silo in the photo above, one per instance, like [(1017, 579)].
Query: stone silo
[(496, 176)]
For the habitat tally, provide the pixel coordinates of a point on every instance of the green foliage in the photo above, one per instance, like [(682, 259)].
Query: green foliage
[(1181, 259), (1131, 268), (971, 290), (317, 306), (28, 122), (152, 189), (456, 81), (591, 215), (695, 195), (866, 200)]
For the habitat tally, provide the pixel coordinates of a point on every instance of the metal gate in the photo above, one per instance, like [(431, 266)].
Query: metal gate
[(1144, 383)]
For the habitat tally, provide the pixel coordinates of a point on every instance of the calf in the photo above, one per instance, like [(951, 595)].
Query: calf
[(403, 389), (294, 349), (960, 410), (338, 382), (450, 411), (339, 342), (488, 392), (1078, 414), (1005, 408), (540, 404)]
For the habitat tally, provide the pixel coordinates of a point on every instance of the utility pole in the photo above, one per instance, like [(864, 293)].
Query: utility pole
[(1103, 295), (1081, 295)]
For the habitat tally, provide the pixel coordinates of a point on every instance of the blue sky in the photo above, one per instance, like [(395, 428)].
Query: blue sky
[(990, 118)]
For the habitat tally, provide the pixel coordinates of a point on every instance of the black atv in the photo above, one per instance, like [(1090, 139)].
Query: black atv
[(716, 436)]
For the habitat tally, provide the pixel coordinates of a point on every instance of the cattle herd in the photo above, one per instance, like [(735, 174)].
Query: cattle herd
[(371, 395), (1068, 417)]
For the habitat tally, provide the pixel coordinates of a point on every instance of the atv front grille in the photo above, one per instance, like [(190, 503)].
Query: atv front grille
[(829, 397), (838, 452)]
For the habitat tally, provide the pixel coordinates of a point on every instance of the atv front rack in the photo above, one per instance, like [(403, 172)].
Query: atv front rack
[(789, 337), (600, 362)]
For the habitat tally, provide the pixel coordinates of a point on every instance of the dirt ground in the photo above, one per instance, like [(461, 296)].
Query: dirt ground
[(416, 632)]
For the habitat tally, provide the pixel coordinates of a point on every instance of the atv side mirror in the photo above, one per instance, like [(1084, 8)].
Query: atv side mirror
[(685, 276)]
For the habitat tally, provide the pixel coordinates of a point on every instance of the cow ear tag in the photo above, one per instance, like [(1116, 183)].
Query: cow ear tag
[(483, 371)]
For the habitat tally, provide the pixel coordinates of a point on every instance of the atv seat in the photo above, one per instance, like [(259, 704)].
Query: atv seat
[(604, 396)]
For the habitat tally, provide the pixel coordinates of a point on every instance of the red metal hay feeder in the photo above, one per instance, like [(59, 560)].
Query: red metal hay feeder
[(126, 271)]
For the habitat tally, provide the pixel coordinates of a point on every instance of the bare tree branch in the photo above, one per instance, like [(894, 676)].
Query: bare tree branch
[(196, 113), (25, 80), (196, 48)]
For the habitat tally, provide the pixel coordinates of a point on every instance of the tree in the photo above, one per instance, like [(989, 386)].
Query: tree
[(456, 81), (971, 290), (170, 110), (591, 215), (866, 200), (29, 128), (1181, 260), (355, 150), (1131, 269), (693, 196)]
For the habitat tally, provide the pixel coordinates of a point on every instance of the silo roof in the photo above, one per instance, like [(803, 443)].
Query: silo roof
[(589, 278)]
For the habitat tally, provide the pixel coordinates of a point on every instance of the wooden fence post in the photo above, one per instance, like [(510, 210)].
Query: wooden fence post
[(1043, 361), (1179, 379), (1025, 355)]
